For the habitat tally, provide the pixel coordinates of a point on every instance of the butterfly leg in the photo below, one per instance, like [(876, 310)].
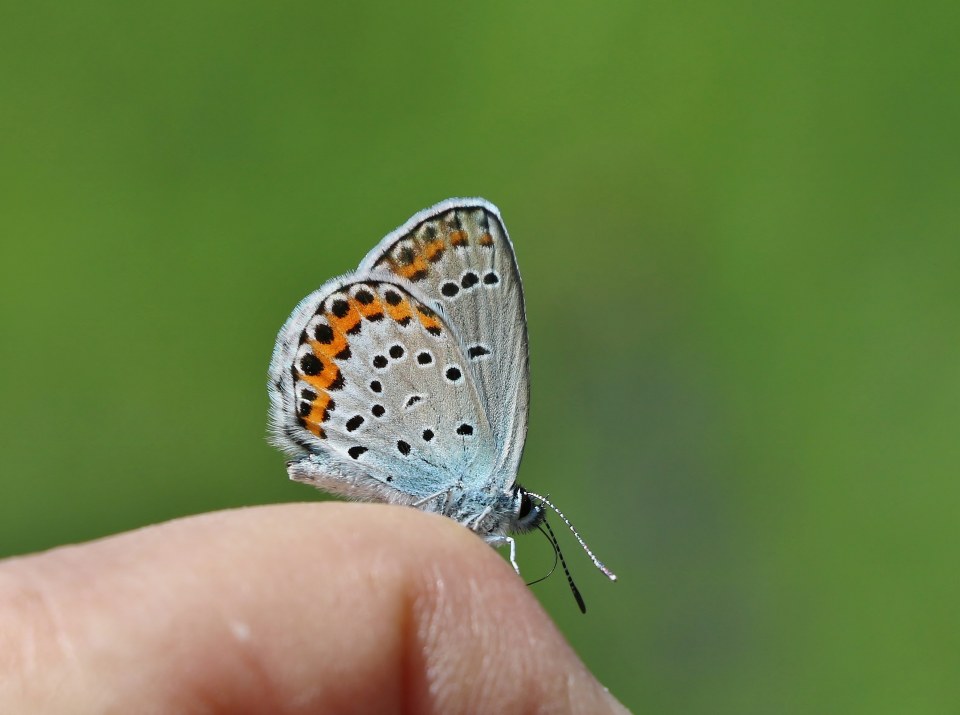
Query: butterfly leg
[(513, 553), (473, 522), (499, 540), (445, 493)]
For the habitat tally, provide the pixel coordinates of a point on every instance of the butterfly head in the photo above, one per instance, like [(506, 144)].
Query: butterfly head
[(527, 514)]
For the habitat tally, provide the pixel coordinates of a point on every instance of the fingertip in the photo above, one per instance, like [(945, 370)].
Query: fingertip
[(336, 607)]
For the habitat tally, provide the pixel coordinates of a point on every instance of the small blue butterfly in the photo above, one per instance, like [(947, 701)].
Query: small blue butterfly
[(407, 381)]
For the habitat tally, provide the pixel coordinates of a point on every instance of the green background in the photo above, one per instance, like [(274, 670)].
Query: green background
[(738, 229)]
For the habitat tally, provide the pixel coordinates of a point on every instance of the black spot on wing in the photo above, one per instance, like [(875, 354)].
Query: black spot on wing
[(310, 364), (406, 256), (340, 308), (323, 333)]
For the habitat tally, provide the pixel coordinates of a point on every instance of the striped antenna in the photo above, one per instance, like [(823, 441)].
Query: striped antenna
[(596, 562), (557, 553)]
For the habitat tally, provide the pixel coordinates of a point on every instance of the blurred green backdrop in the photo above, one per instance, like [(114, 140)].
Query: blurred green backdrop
[(747, 215)]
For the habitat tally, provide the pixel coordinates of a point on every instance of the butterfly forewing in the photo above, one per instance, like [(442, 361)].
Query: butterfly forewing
[(459, 255)]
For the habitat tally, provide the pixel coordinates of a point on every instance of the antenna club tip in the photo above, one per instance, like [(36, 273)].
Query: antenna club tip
[(607, 572)]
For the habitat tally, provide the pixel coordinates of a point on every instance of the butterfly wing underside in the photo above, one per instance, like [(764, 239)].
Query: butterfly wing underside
[(458, 254), (409, 376), (371, 386)]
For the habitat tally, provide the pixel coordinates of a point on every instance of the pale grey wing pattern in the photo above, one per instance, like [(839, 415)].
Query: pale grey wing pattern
[(458, 253), (370, 383)]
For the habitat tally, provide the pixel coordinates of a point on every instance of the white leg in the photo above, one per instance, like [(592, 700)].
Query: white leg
[(476, 519), (418, 504), (513, 553), (498, 541)]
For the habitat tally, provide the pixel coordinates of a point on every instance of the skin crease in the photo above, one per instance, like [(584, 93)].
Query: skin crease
[(297, 608)]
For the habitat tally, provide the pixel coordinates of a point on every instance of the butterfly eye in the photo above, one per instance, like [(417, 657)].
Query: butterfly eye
[(529, 515), (525, 506)]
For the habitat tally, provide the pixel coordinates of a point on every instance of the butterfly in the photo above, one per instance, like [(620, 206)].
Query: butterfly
[(407, 380)]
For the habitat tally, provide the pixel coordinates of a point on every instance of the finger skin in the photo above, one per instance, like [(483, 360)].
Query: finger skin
[(299, 608)]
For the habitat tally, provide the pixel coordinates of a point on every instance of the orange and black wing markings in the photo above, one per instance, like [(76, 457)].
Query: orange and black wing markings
[(313, 414), (367, 304), (433, 250), (319, 372), (316, 373), (486, 240), (344, 317), (412, 255), (429, 319), (398, 307), (407, 259)]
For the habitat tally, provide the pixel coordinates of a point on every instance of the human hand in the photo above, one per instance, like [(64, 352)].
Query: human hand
[(299, 608)]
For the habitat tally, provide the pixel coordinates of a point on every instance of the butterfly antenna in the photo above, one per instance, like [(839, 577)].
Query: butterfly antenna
[(555, 562), (596, 562), (556, 550)]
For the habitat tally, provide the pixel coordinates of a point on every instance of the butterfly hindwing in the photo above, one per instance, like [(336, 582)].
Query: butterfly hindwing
[(374, 383)]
